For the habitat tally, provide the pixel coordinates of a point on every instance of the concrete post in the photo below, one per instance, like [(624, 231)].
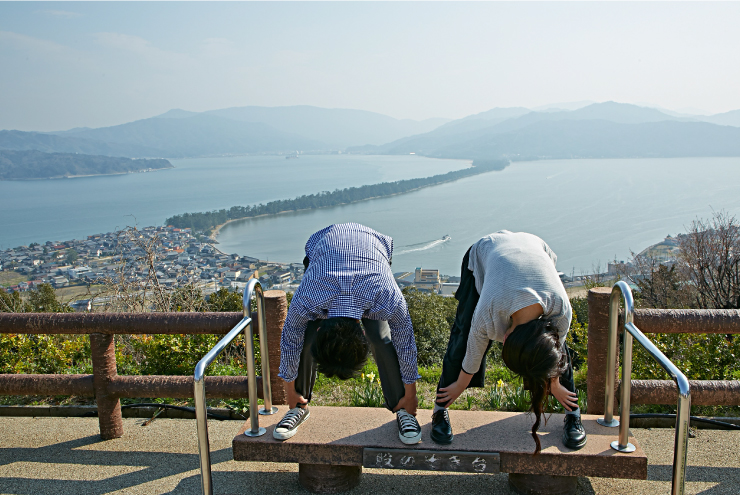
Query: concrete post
[(276, 309), (103, 352), (326, 478), (598, 338), (534, 484)]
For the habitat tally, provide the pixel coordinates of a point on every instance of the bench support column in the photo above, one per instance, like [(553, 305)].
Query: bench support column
[(533, 484), (325, 478)]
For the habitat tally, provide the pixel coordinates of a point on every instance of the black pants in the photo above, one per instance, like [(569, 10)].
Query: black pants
[(467, 296), (378, 335)]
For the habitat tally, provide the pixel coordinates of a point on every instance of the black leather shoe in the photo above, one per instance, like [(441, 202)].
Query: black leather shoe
[(574, 436), (441, 427)]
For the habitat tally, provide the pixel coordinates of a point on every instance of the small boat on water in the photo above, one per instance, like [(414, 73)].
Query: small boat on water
[(446, 237)]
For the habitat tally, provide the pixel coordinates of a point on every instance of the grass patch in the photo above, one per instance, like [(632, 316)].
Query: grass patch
[(9, 278)]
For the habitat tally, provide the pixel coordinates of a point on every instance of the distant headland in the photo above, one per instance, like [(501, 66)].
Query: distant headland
[(32, 165)]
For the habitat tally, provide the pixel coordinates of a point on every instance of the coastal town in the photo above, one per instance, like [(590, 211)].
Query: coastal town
[(179, 257)]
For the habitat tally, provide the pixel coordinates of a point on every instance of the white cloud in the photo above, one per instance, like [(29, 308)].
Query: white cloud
[(23, 42)]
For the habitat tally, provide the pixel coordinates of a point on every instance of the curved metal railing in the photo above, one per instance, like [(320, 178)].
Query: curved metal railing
[(253, 289), (680, 448)]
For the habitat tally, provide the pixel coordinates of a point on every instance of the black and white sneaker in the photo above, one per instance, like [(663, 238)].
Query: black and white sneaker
[(409, 430), (287, 426)]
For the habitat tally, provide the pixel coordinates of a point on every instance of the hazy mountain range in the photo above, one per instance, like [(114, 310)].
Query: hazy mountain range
[(599, 130), (179, 133), (577, 129)]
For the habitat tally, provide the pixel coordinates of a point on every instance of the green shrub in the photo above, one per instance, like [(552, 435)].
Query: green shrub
[(432, 316), (45, 354), (224, 300), (580, 309), (698, 356), (577, 339)]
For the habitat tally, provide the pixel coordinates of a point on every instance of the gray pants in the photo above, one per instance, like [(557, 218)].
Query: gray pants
[(378, 335)]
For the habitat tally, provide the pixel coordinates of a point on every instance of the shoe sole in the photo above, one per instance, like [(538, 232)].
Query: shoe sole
[(410, 440), (289, 433), (442, 442), (576, 446)]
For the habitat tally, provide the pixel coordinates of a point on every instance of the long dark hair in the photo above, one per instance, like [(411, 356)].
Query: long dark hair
[(532, 351)]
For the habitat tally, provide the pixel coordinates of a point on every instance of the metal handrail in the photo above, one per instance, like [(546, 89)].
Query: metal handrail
[(253, 289), (680, 448)]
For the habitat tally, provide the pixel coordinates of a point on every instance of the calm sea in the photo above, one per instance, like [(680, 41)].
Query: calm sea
[(63, 209), (589, 211)]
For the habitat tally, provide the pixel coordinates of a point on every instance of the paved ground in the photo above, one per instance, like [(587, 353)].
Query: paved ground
[(45, 456)]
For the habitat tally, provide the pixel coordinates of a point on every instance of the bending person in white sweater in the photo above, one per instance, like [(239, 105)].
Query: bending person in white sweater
[(510, 292)]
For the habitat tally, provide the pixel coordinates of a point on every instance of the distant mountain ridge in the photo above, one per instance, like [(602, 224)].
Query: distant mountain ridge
[(51, 143), (199, 135), (728, 118), (602, 139), (503, 131), (337, 128), (599, 130), (240, 130)]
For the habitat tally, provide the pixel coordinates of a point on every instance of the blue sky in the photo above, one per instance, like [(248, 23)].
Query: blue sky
[(64, 64)]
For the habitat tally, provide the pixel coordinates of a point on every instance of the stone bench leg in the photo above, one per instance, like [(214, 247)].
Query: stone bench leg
[(325, 478), (533, 484)]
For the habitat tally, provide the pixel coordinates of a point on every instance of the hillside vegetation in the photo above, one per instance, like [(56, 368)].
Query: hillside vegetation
[(17, 165)]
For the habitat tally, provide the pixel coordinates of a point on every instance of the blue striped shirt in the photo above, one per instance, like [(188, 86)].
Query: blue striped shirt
[(349, 274)]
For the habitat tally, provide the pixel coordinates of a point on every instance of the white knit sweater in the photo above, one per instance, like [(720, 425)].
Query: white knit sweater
[(512, 270)]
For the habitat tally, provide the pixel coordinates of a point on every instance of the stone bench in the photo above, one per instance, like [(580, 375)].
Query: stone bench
[(333, 445)]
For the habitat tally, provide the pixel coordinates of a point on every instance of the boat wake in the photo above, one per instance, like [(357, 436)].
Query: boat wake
[(422, 246)]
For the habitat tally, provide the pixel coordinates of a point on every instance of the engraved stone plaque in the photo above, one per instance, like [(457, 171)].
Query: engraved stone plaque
[(432, 460)]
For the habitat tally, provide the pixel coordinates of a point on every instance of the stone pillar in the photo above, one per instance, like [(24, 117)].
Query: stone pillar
[(103, 352), (325, 478), (276, 309), (598, 341), (534, 484)]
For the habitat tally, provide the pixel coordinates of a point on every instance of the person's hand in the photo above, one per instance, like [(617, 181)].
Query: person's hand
[(568, 399), (450, 393), (294, 398), (453, 391), (409, 401)]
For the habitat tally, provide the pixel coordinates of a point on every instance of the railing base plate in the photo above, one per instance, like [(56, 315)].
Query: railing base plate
[(259, 433), (623, 448), (265, 412), (611, 424)]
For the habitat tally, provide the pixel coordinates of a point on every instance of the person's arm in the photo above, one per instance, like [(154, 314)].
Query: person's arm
[(402, 336), (291, 341)]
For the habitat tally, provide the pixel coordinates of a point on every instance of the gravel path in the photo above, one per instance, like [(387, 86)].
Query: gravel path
[(45, 456)]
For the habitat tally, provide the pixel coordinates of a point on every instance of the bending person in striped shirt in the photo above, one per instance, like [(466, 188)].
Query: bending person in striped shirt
[(348, 303), (510, 292)]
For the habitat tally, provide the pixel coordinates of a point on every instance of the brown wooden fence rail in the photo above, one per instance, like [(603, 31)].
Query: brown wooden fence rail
[(108, 387), (703, 392)]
